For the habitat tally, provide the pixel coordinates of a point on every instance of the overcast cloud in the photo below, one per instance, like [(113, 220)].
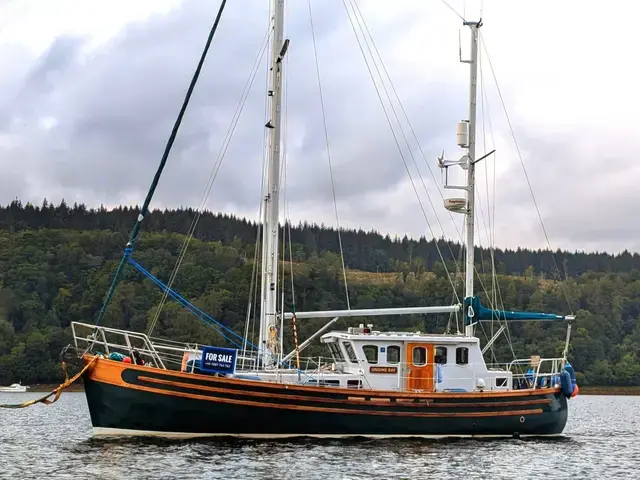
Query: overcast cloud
[(88, 96)]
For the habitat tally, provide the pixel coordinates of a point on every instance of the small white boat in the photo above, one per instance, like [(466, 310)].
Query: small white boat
[(14, 388)]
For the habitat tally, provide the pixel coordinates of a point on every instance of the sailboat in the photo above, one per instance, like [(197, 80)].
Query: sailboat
[(375, 383)]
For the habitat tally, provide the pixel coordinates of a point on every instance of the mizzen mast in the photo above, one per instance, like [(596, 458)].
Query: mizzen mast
[(466, 138)]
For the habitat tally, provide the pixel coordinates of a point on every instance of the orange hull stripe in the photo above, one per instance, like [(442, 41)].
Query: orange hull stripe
[(109, 371), (360, 400)]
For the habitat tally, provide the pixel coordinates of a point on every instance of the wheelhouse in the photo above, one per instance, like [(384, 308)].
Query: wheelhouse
[(414, 361)]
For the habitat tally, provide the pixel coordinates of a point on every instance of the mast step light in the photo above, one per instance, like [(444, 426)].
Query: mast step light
[(462, 133), (457, 205)]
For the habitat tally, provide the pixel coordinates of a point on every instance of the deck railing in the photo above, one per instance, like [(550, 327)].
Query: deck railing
[(532, 372), (159, 351)]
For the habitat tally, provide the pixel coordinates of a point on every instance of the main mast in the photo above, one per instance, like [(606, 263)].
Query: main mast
[(466, 133), (269, 336)]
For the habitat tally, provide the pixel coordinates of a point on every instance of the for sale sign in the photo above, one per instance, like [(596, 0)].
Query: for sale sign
[(218, 360)]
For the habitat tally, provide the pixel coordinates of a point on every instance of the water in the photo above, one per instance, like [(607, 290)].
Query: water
[(602, 440)]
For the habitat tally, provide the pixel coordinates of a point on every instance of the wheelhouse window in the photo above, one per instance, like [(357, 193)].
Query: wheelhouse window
[(336, 353), (351, 353), (393, 354), (462, 355), (419, 356), (441, 355), (371, 353)]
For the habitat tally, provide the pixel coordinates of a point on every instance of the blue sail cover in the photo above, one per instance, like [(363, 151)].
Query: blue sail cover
[(480, 313)]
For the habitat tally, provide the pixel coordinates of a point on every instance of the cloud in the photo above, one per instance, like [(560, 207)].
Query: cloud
[(87, 106)]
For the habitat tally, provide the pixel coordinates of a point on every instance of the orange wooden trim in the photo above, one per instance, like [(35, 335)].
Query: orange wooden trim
[(349, 401), (251, 403), (421, 377), (105, 369)]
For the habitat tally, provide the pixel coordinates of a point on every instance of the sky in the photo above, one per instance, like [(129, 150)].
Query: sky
[(89, 92)]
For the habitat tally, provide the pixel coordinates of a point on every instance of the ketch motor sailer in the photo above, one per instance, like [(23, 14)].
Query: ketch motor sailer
[(376, 383)]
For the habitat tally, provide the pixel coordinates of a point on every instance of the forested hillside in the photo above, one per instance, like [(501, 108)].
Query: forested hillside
[(56, 263)]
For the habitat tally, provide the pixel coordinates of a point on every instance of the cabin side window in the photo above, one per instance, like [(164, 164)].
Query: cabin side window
[(351, 353), (371, 353), (393, 354), (336, 353), (323, 383), (419, 356), (462, 355), (441, 355)]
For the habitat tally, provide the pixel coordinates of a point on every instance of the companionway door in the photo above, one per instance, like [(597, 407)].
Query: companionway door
[(420, 362)]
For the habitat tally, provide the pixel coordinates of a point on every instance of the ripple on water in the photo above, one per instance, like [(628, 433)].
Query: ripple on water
[(602, 438)]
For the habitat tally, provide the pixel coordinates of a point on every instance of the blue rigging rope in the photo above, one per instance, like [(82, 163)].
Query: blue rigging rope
[(202, 315), (199, 313)]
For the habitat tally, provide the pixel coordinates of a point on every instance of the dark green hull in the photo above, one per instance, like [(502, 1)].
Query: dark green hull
[(148, 401)]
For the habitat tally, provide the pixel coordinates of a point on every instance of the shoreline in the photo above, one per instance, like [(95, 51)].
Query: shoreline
[(48, 387), (608, 390), (586, 390)]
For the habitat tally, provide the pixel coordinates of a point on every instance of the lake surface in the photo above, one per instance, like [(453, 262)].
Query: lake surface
[(602, 440)]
